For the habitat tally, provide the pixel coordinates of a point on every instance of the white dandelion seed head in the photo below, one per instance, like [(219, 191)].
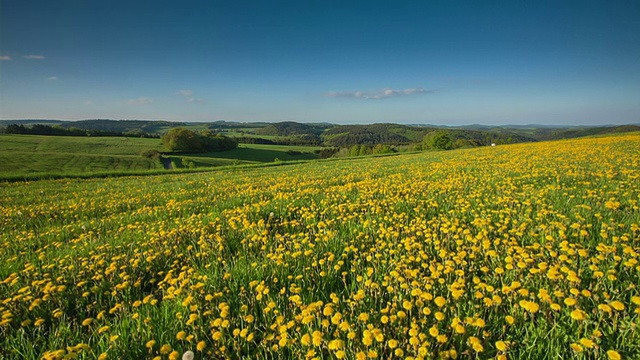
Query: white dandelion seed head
[(188, 355)]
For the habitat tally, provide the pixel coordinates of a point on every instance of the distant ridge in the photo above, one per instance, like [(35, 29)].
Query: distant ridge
[(292, 132)]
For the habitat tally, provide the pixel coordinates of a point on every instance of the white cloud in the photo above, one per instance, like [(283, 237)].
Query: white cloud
[(88, 103), (188, 93), (5, 57), (33, 57), (377, 94), (52, 78), (140, 101)]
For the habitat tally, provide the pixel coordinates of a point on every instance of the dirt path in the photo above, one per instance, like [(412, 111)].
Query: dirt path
[(166, 162)]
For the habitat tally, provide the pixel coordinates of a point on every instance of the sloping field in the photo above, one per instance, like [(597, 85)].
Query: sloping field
[(35, 155), (22, 155), (522, 251)]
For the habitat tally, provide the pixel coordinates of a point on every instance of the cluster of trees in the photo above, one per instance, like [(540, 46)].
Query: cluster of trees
[(40, 129), (349, 135), (288, 128), (327, 152), (137, 128), (188, 141), (298, 140), (362, 150)]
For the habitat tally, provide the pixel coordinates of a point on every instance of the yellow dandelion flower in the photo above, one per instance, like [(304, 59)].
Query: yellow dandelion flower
[(165, 349), (617, 305), (613, 355), (201, 346), (605, 308), (317, 338), (588, 343), (577, 348), (578, 315), (501, 345), (433, 331)]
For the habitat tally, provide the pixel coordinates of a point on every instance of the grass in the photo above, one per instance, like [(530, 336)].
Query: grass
[(264, 153), (524, 251), (32, 156), (26, 155)]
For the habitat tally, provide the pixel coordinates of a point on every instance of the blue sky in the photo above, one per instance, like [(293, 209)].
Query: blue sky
[(429, 62)]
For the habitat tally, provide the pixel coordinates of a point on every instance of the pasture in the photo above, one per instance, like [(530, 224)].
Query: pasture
[(35, 156), (519, 251)]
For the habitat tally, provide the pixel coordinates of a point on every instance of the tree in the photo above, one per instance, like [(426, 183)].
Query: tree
[(184, 140), (439, 140)]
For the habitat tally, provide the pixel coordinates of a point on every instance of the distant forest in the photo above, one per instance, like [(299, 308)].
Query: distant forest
[(316, 134)]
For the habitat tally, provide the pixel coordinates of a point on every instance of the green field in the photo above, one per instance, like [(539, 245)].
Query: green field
[(22, 155), (34, 155), (528, 251)]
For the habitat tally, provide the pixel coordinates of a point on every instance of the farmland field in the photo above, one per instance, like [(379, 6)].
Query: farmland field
[(520, 251), (42, 156)]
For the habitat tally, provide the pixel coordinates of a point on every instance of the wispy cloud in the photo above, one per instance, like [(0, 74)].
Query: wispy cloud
[(377, 94), (5, 57), (188, 93), (33, 57), (52, 78), (88, 103), (140, 101)]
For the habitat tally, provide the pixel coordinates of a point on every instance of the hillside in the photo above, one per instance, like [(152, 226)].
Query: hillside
[(294, 133), (289, 128), (523, 250), (349, 135)]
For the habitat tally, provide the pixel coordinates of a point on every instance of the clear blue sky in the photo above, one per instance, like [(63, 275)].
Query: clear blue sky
[(430, 62)]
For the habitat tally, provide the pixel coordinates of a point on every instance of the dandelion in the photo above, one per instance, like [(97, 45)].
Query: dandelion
[(501, 345), (587, 343), (200, 346), (165, 349), (188, 355), (577, 348), (510, 320), (613, 355), (578, 315), (617, 305)]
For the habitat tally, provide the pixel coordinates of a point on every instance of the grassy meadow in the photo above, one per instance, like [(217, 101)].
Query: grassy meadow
[(527, 251), (41, 156)]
